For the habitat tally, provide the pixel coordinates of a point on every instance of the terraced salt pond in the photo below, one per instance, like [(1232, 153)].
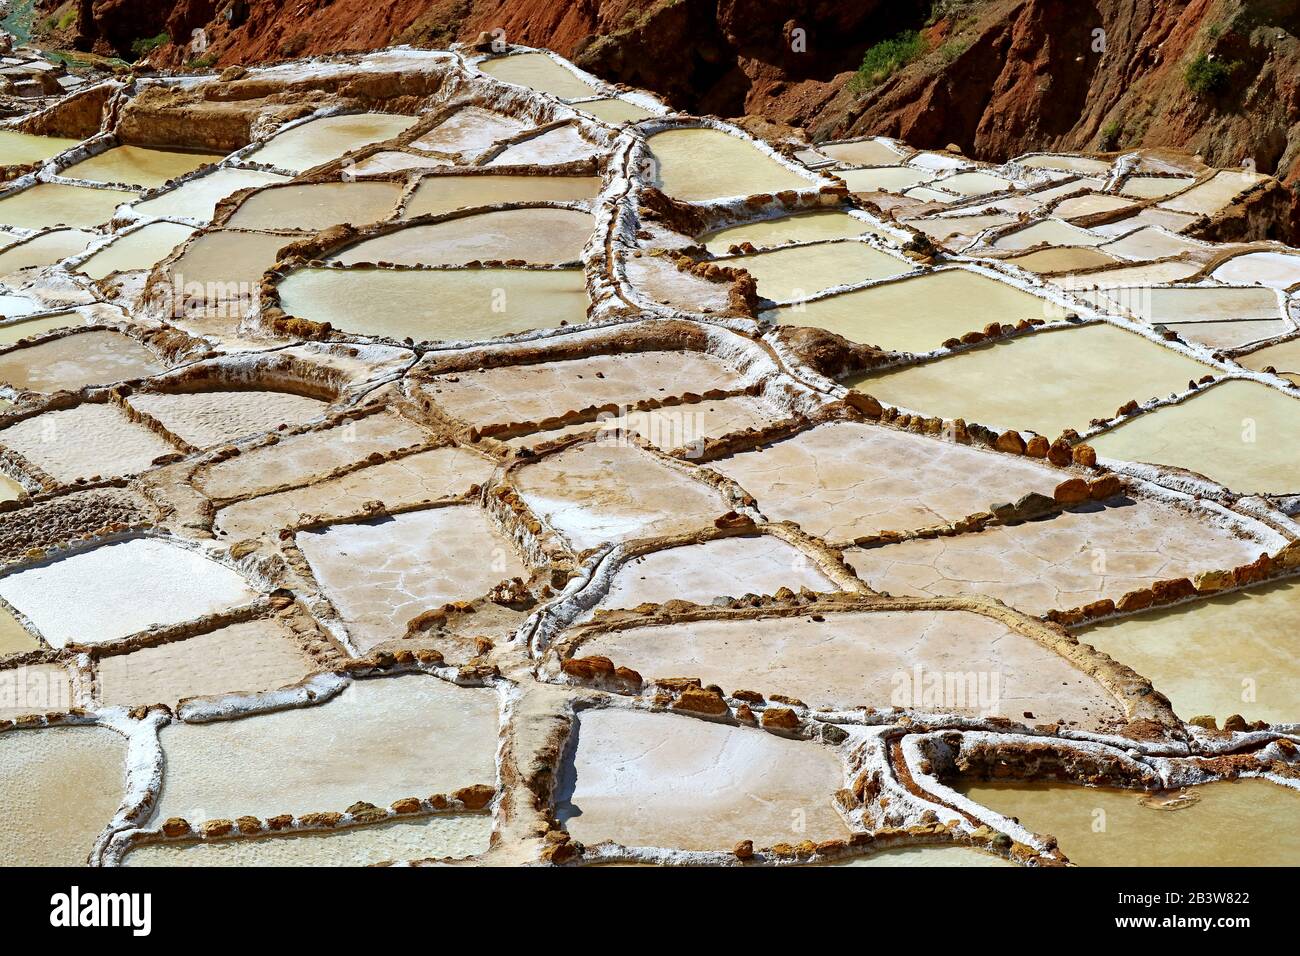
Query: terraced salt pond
[(866, 152), (45, 249), (432, 837), (1047, 381), (1240, 434), (116, 590), (22, 149), (1285, 357), (326, 138), (137, 166), (785, 275), (315, 206), (1233, 654), (93, 441), (302, 458), (1239, 823), (469, 131), (60, 788), (705, 164), (521, 393), (247, 656), (537, 235), (1085, 554), (143, 248), (661, 780), (380, 574), (845, 479), (344, 750), (614, 111), (430, 304), (197, 198), (205, 419), (96, 357), (56, 204), (1063, 259), (564, 144), (919, 314), (589, 493), (855, 659), (1274, 269), (537, 71), (926, 856), (422, 478), (441, 194), (702, 572), (14, 639), (804, 227)]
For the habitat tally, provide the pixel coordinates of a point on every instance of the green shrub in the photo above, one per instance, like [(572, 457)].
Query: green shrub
[(68, 18), (888, 57), (1111, 134), (147, 45), (954, 48), (1205, 76)]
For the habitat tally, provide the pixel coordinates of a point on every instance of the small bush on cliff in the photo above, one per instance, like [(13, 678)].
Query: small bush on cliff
[(1205, 76), (147, 45), (888, 57)]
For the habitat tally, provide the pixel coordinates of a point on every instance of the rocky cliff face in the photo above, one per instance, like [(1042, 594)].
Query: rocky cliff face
[(994, 77)]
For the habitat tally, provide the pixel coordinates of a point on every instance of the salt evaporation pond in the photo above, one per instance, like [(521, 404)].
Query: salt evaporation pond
[(437, 304), (701, 164), (1239, 823)]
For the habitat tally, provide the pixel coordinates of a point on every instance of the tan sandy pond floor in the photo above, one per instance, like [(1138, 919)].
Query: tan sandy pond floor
[(136, 166), (60, 789), (1240, 434), (74, 361), (1240, 823), (704, 164), (1234, 654), (250, 656), (919, 314), (431, 304), (1046, 381), (56, 204), (614, 111)]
